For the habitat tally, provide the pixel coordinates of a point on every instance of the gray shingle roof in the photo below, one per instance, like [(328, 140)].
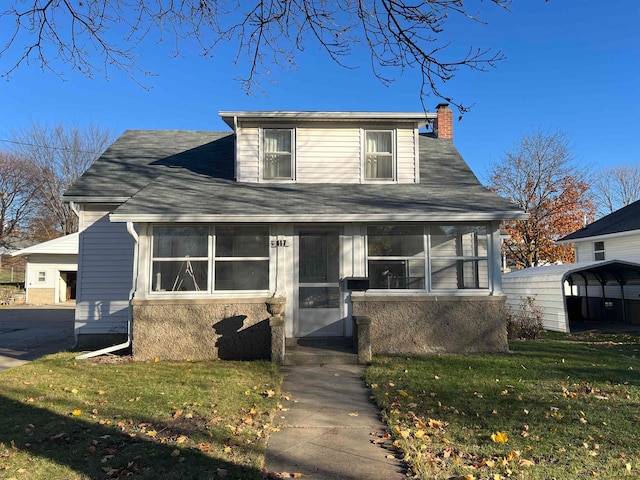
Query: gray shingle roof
[(178, 175), (624, 220)]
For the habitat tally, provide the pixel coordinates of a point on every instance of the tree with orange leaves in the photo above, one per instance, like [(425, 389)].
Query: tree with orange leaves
[(540, 176)]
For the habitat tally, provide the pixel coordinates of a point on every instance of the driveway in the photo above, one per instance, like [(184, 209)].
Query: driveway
[(28, 332)]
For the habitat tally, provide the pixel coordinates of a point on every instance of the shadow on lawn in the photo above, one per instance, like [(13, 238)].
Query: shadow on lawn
[(103, 452)]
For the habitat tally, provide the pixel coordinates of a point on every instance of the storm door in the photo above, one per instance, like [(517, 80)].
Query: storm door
[(318, 277)]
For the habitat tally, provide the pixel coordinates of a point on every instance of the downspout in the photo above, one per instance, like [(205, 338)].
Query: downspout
[(127, 344)]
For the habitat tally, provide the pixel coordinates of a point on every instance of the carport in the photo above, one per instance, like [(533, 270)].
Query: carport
[(574, 294)]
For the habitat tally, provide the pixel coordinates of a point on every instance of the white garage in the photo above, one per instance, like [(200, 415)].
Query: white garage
[(574, 295), (52, 270)]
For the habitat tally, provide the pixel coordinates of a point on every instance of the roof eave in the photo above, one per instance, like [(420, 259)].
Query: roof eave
[(595, 238), (94, 199), (231, 117), (319, 218)]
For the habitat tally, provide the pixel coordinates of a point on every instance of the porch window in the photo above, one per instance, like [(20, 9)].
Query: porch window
[(185, 258), (242, 258), (434, 258), (180, 260), (379, 157), (459, 257), (598, 251), (396, 257), (277, 153), (42, 277)]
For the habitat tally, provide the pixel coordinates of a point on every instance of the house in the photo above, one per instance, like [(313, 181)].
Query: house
[(375, 232), (601, 288), (51, 270)]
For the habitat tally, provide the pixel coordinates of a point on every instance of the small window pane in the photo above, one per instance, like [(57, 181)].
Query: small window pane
[(379, 155), (42, 276), (242, 242), (179, 242), (395, 241), (242, 275), (319, 257), (180, 276), (457, 274), (396, 274), (598, 250), (319, 297), (458, 241), (277, 153)]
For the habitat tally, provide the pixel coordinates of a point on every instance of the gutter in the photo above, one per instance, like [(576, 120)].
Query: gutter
[(127, 344)]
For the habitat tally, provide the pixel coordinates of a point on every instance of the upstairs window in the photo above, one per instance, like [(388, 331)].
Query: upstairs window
[(598, 250), (277, 154), (379, 155)]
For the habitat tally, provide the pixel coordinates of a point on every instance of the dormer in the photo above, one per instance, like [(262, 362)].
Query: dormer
[(329, 147)]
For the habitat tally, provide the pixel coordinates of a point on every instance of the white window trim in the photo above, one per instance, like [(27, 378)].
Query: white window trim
[(210, 291), (294, 170), (596, 251), (394, 156), (428, 258)]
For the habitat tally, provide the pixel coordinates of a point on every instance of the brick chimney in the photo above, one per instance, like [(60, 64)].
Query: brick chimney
[(443, 125)]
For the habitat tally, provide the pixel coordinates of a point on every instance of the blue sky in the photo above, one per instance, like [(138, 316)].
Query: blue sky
[(572, 65)]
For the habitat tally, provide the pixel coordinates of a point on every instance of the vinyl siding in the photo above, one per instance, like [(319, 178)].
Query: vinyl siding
[(625, 248), (326, 153), (548, 295), (104, 274)]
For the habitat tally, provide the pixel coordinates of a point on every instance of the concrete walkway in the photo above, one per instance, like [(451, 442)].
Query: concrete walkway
[(327, 427)]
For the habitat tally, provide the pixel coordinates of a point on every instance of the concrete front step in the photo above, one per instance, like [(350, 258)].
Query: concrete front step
[(304, 355)]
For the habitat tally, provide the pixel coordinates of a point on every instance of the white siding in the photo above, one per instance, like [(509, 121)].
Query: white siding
[(248, 154), (328, 155), (406, 155), (548, 295), (626, 247), (326, 152), (104, 274)]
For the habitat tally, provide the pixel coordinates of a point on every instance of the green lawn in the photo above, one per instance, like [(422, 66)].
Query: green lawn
[(563, 407), (67, 419)]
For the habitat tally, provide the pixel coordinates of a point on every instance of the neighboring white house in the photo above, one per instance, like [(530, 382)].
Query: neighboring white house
[(351, 216), (602, 286), (52, 266)]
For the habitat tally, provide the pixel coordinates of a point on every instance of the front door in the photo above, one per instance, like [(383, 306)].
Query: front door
[(318, 284)]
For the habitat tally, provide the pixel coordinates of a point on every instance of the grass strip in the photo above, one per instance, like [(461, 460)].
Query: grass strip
[(61, 418), (565, 406)]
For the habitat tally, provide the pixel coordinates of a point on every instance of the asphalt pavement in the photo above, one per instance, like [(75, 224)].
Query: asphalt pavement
[(28, 332)]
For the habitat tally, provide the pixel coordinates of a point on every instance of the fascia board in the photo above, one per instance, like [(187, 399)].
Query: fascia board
[(322, 218), (595, 238), (94, 199)]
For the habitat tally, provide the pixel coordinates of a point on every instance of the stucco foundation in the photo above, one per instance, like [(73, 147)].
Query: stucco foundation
[(427, 324), (228, 329)]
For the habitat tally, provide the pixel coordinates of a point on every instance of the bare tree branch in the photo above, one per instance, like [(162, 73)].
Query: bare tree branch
[(540, 176), (62, 35), (59, 154), (616, 187)]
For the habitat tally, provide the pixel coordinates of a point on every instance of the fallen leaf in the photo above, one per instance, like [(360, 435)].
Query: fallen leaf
[(499, 437), (353, 414), (75, 413)]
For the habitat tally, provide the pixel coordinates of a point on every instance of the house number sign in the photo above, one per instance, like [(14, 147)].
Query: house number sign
[(279, 243)]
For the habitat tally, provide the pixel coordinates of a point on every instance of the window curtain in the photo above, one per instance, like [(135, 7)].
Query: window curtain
[(379, 158), (277, 153)]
